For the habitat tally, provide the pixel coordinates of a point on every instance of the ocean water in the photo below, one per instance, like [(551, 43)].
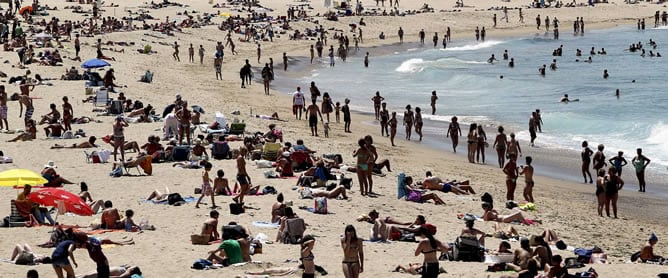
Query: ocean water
[(473, 90)]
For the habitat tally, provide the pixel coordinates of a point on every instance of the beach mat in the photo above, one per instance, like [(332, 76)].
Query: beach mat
[(189, 199), (265, 224)]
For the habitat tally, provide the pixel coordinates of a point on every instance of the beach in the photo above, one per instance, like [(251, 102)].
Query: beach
[(563, 205)]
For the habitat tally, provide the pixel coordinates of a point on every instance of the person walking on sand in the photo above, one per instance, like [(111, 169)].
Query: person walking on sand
[(201, 55), (312, 51), (346, 116), (266, 78), (119, 137), (393, 127), (4, 125), (481, 144), (454, 131), (191, 53), (353, 253), (586, 160), (408, 121), (433, 100), (511, 177), (218, 66), (401, 35), (640, 162), (243, 178), (259, 53), (206, 186), (527, 171), (298, 103), (313, 111), (377, 100), (68, 114), (500, 144), (176, 52)]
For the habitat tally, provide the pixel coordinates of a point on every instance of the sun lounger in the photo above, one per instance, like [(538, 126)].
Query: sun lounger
[(237, 129), (15, 218)]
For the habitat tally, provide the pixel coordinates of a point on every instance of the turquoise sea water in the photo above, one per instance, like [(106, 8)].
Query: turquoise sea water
[(472, 89)]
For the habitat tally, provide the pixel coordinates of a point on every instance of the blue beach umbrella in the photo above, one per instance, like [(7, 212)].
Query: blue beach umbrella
[(95, 63)]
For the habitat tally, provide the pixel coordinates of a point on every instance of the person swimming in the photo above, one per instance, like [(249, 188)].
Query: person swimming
[(565, 99)]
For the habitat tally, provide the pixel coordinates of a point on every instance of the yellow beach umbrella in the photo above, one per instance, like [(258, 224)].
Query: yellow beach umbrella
[(224, 14), (19, 177)]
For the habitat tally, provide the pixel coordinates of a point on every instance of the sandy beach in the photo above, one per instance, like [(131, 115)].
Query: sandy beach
[(567, 207)]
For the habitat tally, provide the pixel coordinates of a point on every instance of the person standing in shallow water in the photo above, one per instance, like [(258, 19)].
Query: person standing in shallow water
[(586, 160), (433, 100), (418, 122), (384, 119), (346, 116), (640, 162), (500, 144), (377, 100)]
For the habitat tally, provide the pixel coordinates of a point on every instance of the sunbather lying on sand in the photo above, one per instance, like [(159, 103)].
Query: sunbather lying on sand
[(330, 194), (23, 255), (491, 214), (417, 195), (158, 197), (123, 271), (436, 183), (83, 145)]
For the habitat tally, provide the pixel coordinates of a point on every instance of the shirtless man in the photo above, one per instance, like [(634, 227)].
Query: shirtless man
[(183, 116), (521, 256), (191, 53), (454, 131), (436, 183), (3, 109), (83, 145), (384, 120), (68, 114), (26, 87), (377, 99), (313, 111), (242, 176), (533, 127), (210, 226), (53, 116), (110, 218), (647, 251), (54, 130), (527, 171), (433, 102), (513, 147), (201, 54), (511, 177)]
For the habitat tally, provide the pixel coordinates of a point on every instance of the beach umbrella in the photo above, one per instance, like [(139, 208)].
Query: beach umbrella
[(168, 110), (224, 14), (21, 177), (95, 63), (198, 109), (50, 197)]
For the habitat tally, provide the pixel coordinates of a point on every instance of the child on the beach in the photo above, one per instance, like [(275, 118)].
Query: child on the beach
[(128, 223), (206, 186), (337, 110), (326, 130), (220, 184), (527, 171)]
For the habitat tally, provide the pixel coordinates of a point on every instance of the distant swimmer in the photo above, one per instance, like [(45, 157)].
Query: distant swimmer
[(505, 54), (511, 63), (491, 59), (578, 52), (553, 66), (602, 52), (541, 70), (605, 74), (588, 60), (617, 93), (592, 52), (565, 99)]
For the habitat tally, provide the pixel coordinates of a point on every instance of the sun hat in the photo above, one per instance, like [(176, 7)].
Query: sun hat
[(50, 164)]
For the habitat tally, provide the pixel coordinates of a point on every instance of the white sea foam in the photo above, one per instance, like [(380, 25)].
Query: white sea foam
[(475, 46), (411, 66)]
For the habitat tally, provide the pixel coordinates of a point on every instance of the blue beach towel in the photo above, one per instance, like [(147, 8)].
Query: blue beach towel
[(401, 186)]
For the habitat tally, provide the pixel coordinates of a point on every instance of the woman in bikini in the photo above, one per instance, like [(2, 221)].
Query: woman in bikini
[(586, 160), (68, 114), (307, 257), (454, 131), (429, 247), (418, 122), (119, 137), (491, 214), (472, 140), (500, 144), (481, 144), (353, 253), (326, 106), (364, 160), (408, 121), (393, 127), (85, 196)]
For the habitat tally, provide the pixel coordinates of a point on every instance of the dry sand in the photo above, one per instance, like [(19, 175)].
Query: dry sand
[(566, 207)]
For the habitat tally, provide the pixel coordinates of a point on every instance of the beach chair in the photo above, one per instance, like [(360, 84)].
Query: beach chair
[(237, 129), (294, 230), (15, 218), (270, 151), (101, 97)]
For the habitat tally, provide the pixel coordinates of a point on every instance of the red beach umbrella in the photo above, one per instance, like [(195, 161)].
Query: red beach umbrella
[(50, 196)]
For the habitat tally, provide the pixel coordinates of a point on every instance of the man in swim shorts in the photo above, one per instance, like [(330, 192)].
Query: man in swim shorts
[(242, 176), (436, 183), (313, 111)]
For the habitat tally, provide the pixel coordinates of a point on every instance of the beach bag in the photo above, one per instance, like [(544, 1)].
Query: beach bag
[(232, 231), (236, 209), (201, 264), (468, 250), (175, 199), (306, 193), (320, 205), (117, 172), (181, 153)]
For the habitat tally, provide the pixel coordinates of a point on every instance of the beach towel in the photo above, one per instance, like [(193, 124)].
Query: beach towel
[(189, 199), (401, 186), (265, 224)]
